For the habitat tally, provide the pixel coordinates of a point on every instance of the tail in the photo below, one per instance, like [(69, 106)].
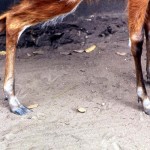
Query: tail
[(3, 22)]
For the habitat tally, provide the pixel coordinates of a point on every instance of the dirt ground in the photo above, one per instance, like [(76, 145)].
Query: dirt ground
[(61, 80)]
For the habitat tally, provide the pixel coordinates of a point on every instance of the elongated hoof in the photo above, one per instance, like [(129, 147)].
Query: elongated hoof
[(22, 110), (146, 106)]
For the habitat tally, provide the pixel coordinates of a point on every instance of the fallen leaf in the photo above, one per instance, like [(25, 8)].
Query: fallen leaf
[(88, 19), (2, 53), (65, 53), (90, 49), (38, 52), (33, 106), (79, 51), (121, 53), (81, 110), (28, 54)]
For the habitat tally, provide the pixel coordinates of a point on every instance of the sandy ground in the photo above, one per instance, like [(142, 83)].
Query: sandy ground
[(101, 81)]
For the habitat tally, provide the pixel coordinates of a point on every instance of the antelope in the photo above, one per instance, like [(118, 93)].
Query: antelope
[(30, 12)]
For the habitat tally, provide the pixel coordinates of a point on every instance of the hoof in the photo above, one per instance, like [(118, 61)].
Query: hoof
[(6, 98), (147, 111), (22, 110), (139, 100), (146, 106)]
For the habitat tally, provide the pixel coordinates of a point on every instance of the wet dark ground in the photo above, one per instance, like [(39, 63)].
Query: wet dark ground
[(73, 30), (67, 32)]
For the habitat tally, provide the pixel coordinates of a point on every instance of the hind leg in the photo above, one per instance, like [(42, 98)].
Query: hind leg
[(147, 33), (9, 84), (136, 32), (136, 49)]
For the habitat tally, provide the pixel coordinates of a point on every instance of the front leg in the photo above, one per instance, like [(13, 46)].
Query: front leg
[(136, 49), (9, 84), (136, 21), (147, 29)]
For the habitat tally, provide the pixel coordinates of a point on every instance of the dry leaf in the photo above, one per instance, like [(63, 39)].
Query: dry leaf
[(81, 110), (28, 54), (33, 106), (79, 51), (88, 19), (65, 53), (38, 52), (90, 49), (121, 53), (2, 53)]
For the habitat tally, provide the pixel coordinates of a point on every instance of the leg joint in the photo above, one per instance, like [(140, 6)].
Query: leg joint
[(137, 37), (137, 43)]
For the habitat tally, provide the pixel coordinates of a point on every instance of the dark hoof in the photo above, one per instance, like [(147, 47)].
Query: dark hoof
[(6, 98), (139, 100), (147, 111), (22, 110), (146, 106)]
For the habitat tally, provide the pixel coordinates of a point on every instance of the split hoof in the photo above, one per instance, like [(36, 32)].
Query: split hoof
[(21, 110)]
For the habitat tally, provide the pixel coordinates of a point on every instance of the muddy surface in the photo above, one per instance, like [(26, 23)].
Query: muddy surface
[(60, 81)]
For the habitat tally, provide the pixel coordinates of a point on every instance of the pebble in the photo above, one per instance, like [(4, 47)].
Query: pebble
[(32, 117), (103, 104), (115, 146), (8, 136), (81, 110)]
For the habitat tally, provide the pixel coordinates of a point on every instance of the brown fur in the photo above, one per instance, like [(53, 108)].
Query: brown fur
[(137, 12)]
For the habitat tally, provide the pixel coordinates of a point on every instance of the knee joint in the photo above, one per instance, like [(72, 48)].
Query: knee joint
[(137, 37), (137, 43)]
